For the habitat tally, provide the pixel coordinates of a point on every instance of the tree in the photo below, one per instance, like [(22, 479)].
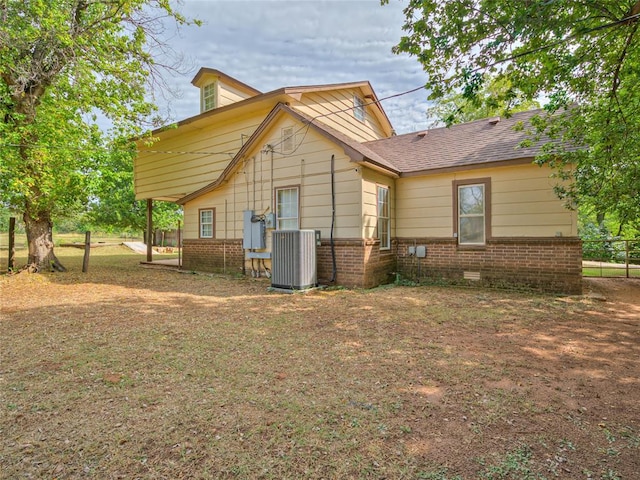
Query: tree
[(113, 202), (582, 57), (496, 97), (62, 62)]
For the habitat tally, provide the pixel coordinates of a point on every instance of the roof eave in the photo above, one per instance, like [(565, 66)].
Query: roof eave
[(370, 163), (351, 152), (228, 78), (469, 166), (219, 110)]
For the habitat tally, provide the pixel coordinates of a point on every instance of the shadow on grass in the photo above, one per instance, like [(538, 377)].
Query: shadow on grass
[(135, 372)]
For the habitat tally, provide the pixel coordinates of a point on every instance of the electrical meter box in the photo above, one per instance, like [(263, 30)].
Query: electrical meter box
[(270, 220), (254, 231)]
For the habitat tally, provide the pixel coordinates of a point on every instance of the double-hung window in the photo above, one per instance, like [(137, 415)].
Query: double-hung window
[(208, 97), (287, 208), (384, 218), (472, 199), (207, 219)]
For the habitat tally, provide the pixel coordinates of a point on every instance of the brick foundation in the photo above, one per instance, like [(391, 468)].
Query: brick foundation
[(545, 264), (212, 255), (359, 263)]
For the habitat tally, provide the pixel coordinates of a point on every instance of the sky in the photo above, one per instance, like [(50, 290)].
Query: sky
[(269, 44)]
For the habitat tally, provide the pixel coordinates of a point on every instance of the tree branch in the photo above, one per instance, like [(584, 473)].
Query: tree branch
[(623, 54)]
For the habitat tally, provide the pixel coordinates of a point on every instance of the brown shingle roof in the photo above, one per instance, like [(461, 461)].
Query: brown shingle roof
[(459, 146)]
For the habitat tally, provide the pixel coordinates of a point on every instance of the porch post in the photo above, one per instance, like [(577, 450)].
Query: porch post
[(149, 230), (11, 264)]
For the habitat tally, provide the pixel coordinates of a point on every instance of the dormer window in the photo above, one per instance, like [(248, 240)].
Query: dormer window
[(358, 108), (208, 97)]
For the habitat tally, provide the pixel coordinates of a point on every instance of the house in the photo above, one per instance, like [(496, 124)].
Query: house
[(464, 204)]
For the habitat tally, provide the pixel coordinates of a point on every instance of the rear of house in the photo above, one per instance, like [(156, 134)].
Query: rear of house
[(463, 204)]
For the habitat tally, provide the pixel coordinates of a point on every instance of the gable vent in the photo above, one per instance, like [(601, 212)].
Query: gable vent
[(287, 140)]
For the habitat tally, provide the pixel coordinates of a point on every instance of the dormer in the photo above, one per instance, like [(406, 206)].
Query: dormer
[(218, 89)]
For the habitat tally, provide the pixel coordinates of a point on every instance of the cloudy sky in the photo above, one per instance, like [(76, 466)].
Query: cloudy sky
[(270, 44)]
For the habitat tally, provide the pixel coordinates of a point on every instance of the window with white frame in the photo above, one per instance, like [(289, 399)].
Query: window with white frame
[(472, 213), (358, 108), (287, 140), (207, 224), (384, 218), (287, 208), (208, 97)]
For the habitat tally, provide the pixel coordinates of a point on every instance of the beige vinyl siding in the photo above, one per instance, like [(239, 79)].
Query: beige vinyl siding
[(424, 207), (522, 204), (174, 167), (252, 185), (228, 94), (334, 101), (370, 182)]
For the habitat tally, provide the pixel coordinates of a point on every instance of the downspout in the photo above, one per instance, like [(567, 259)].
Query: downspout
[(224, 242), (333, 218)]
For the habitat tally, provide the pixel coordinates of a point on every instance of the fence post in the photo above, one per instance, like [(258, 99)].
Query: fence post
[(150, 234), (626, 255), (87, 249), (11, 264), (179, 246)]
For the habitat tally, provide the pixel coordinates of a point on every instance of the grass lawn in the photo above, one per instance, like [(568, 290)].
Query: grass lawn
[(634, 272), (131, 372)]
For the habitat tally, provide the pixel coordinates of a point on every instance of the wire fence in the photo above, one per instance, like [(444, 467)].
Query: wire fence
[(611, 258)]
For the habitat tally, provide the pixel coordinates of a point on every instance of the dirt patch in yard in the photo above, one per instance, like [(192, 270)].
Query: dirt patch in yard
[(128, 372)]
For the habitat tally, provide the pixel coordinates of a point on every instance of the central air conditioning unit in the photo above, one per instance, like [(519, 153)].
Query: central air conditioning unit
[(294, 259)]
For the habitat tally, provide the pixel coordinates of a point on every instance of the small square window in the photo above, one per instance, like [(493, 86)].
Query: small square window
[(358, 108)]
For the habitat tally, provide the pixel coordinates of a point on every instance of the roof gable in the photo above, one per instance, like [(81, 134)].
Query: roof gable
[(356, 151)]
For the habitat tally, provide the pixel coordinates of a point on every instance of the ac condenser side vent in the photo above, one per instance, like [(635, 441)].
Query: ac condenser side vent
[(294, 259)]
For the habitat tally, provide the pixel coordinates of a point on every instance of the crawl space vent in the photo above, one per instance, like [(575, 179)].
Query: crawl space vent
[(471, 276)]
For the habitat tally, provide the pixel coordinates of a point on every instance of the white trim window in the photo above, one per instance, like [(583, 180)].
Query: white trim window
[(358, 108), (208, 97), (206, 223), (471, 214), (287, 208), (384, 218)]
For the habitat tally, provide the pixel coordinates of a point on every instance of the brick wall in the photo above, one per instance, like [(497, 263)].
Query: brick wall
[(359, 263), (545, 264), (212, 255)]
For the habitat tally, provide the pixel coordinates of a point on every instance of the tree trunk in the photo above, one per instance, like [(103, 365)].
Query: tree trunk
[(40, 239)]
